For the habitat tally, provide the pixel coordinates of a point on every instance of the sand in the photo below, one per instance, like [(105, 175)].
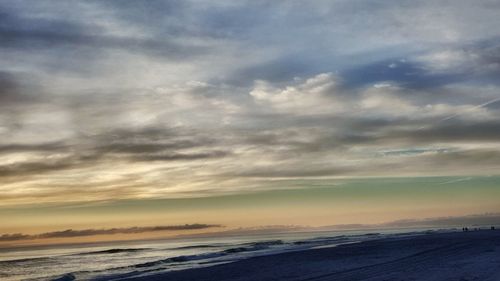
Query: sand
[(473, 255)]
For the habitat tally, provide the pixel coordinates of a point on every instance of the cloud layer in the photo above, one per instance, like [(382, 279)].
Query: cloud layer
[(102, 101), (69, 233)]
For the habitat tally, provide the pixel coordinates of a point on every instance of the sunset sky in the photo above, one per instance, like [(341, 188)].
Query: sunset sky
[(119, 114)]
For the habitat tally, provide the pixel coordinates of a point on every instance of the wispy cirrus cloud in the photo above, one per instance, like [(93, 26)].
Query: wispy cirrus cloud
[(104, 101)]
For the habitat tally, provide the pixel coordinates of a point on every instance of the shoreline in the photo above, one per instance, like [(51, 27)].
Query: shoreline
[(473, 255)]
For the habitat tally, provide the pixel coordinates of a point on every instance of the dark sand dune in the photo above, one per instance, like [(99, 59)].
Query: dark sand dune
[(460, 256)]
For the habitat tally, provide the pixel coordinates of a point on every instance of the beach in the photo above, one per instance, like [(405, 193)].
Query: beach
[(473, 255), (198, 140)]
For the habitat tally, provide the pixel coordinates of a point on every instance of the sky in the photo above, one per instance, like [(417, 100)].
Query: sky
[(246, 113)]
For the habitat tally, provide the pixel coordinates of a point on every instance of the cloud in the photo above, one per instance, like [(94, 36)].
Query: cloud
[(312, 96), (158, 137), (43, 165), (480, 220), (182, 156), (106, 100), (470, 220), (9, 148), (70, 233), (479, 60), (461, 131), (25, 31), (9, 87), (16, 88)]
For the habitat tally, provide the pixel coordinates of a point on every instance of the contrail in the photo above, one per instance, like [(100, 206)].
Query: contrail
[(460, 113), (472, 108), (457, 180)]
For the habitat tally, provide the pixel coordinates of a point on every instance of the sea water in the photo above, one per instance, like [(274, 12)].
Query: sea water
[(139, 258)]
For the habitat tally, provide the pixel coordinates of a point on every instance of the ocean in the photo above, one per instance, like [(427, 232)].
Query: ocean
[(113, 261)]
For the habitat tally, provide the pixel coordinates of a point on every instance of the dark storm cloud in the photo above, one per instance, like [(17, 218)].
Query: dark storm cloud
[(105, 231)]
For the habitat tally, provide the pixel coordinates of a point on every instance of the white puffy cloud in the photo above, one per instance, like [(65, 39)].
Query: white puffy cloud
[(315, 95), (323, 94)]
